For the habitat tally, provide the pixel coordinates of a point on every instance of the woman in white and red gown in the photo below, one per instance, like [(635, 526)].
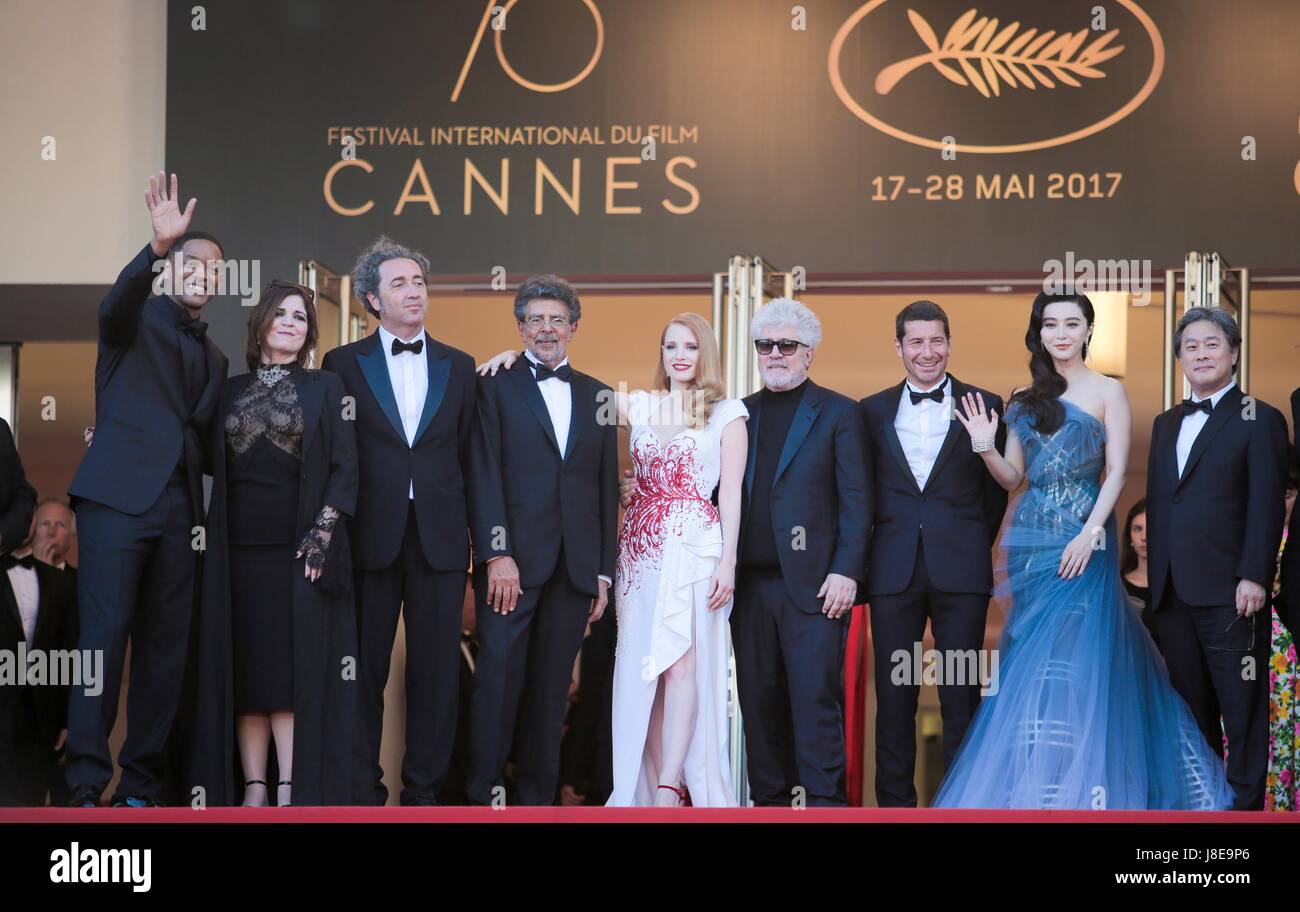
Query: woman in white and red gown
[(676, 572)]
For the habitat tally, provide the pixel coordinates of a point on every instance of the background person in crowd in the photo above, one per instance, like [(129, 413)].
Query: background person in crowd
[(1283, 778), (1133, 566), (38, 609)]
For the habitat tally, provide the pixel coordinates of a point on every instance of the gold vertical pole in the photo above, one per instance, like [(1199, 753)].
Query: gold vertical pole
[(1171, 319), (345, 310), (1243, 322), (719, 290)]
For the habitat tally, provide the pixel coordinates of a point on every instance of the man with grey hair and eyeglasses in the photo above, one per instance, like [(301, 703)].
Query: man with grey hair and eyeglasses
[(544, 510), (415, 405), (804, 527), (1216, 487)]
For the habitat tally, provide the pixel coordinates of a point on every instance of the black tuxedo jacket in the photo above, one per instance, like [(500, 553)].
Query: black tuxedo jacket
[(56, 629), (1221, 522), (956, 516), (1289, 604), (437, 463), (526, 501), (821, 486), (17, 497), (143, 415)]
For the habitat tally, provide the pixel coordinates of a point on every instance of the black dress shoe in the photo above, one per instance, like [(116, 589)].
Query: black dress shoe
[(122, 801)]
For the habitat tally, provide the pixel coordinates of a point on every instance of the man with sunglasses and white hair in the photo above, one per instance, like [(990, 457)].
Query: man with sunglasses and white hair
[(805, 519)]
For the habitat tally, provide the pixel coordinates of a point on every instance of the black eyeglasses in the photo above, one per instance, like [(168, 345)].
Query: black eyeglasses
[(784, 346), (301, 289)]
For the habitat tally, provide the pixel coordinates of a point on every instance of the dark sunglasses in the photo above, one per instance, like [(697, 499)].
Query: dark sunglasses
[(301, 289), (784, 346)]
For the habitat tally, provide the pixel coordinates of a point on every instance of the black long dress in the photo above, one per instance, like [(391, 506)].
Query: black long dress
[(267, 638), (264, 430)]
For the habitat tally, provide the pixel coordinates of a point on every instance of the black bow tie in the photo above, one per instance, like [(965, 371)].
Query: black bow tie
[(196, 328), (415, 347), (935, 395), (1205, 405), (563, 372), (27, 560)]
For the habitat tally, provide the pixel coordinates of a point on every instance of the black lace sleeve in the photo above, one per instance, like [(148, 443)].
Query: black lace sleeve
[(316, 542)]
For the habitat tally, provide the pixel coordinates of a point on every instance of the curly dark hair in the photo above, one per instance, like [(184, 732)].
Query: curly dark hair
[(551, 288), (365, 275)]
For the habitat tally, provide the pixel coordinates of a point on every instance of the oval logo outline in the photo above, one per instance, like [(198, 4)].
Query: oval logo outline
[(846, 99)]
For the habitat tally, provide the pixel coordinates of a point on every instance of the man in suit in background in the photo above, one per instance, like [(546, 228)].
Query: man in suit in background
[(545, 510), (138, 495), (414, 400), (1216, 488), (52, 532), (38, 608), (937, 514), (805, 521), (17, 497)]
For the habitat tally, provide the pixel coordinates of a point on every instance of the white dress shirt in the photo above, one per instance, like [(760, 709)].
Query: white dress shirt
[(558, 397), (1192, 425), (922, 427), (409, 375), (27, 594)]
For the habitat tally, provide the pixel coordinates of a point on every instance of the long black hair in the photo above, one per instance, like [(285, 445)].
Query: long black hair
[(1128, 561), (1042, 397)]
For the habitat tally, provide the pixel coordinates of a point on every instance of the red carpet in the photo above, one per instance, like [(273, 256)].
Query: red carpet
[(618, 815)]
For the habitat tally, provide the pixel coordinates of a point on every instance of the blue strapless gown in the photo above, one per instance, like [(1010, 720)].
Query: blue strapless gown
[(1083, 715)]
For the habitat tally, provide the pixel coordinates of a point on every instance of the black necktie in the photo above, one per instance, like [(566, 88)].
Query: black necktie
[(1189, 407), (414, 347), (563, 372), (196, 328), (27, 560), (935, 395)]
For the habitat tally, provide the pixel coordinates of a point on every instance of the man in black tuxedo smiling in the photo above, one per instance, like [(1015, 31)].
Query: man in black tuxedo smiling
[(414, 399), (937, 515), (1216, 499), (138, 495), (545, 507)]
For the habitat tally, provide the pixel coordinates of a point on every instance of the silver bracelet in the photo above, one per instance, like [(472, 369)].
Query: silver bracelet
[(981, 446)]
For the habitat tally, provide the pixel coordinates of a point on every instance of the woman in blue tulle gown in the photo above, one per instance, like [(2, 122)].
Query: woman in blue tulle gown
[(1082, 714)]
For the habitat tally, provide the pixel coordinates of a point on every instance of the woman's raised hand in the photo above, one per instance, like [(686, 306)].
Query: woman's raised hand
[(979, 423), (506, 359)]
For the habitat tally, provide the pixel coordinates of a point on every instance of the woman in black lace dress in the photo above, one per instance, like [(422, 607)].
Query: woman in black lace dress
[(277, 628)]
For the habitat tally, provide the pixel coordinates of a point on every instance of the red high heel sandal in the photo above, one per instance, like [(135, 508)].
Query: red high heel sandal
[(681, 793)]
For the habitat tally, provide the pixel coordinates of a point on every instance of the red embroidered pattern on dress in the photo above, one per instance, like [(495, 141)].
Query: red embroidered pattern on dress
[(667, 497)]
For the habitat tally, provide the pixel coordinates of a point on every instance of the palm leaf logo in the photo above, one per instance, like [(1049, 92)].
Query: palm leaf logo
[(1004, 57)]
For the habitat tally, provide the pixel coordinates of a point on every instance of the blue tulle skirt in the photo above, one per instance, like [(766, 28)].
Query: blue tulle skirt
[(1083, 715)]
